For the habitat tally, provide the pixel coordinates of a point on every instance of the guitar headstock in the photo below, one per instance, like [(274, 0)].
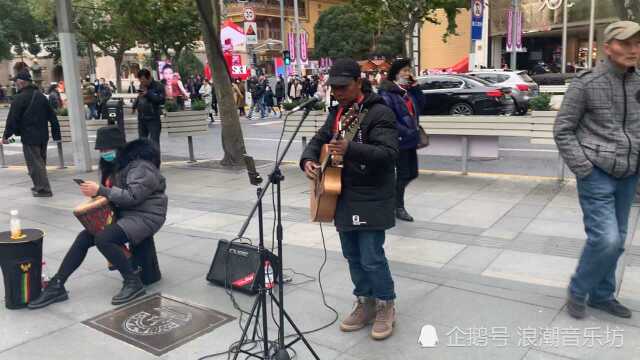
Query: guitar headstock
[(351, 122)]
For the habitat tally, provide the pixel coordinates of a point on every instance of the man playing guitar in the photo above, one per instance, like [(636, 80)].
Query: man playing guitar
[(365, 208)]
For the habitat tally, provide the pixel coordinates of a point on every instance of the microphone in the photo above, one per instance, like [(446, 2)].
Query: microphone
[(308, 103)]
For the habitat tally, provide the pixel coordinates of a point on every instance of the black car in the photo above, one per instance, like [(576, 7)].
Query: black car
[(463, 95)]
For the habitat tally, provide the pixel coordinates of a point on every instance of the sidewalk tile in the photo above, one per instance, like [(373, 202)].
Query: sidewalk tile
[(556, 228), (211, 221), (598, 339), (508, 227), (423, 252), (77, 342), (20, 326), (630, 287), (473, 259), (532, 268), (475, 213), (539, 355)]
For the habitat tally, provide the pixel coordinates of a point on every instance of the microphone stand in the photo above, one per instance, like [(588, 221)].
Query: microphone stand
[(260, 304)]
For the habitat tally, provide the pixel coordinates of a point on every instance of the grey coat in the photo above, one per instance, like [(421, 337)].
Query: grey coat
[(138, 191), (599, 122)]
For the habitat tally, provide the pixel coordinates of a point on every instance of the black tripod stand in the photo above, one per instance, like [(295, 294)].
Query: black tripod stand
[(259, 308)]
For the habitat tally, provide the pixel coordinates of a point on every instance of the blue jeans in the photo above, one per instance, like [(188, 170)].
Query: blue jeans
[(368, 265), (257, 103), (606, 202)]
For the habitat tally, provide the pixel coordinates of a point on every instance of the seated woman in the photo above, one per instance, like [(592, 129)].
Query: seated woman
[(131, 180)]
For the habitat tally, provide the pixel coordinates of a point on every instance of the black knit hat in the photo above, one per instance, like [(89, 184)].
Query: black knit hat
[(397, 65), (109, 137)]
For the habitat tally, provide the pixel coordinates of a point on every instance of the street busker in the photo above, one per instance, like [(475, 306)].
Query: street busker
[(365, 208), (131, 181), (401, 94), (597, 131)]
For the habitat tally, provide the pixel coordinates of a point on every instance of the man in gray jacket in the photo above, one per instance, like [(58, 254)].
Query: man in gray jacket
[(598, 134)]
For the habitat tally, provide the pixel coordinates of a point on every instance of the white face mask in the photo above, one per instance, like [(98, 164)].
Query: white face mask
[(402, 81)]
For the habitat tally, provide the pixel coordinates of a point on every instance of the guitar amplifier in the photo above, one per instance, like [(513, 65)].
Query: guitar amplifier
[(237, 265)]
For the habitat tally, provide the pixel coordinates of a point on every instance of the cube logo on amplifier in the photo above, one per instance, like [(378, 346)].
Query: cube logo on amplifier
[(238, 265)]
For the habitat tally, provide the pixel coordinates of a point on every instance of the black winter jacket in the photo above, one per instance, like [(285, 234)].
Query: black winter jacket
[(148, 106), (29, 117), (138, 191), (367, 201)]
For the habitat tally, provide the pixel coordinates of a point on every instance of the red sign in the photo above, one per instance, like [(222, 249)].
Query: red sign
[(237, 69)]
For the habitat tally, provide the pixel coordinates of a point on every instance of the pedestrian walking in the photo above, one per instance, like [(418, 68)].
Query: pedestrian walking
[(257, 97), (55, 100), (89, 98), (401, 94), (295, 91), (268, 101), (147, 104), (238, 96), (280, 92), (597, 131), (205, 94), (29, 117)]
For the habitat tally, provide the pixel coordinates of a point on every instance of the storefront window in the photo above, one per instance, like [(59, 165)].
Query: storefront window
[(539, 17)]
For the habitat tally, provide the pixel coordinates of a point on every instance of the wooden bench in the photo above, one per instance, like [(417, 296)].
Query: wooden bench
[(187, 124), (538, 128), (309, 127)]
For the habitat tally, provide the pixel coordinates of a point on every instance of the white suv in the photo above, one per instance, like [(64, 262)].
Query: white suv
[(523, 88)]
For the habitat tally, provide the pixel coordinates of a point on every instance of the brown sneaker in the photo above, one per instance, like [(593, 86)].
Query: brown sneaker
[(385, 319), (363, 313)]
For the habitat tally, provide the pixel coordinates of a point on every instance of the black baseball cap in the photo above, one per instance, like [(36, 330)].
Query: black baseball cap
[(109, 137), (343, 71), (22, 75)]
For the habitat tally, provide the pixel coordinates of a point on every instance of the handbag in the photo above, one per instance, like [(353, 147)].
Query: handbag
[(424, 138)]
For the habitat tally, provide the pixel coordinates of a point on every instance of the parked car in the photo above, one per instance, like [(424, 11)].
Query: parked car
[(463, 95), (523, 88)]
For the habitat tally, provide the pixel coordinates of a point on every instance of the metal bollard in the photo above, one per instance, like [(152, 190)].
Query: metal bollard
[(465, 155), (3, 162), (304, 142), (60, 155), (192, 158)]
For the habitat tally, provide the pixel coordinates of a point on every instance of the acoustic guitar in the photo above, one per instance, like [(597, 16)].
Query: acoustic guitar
[(326, 188)]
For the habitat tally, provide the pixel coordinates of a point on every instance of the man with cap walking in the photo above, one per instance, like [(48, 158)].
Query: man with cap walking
[(598, 134), (365, 208), (29, 117)]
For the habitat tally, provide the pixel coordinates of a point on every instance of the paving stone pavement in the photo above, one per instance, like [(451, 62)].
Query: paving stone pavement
[(486, 262)]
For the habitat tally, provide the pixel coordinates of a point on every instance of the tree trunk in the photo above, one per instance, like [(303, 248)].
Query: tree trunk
[(118, 59), (232, 139)]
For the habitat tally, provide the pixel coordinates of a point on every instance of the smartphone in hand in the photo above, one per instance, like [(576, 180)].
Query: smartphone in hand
[(78, 181)]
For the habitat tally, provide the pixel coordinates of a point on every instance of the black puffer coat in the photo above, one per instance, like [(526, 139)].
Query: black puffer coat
[(138, 191), (367, 200)]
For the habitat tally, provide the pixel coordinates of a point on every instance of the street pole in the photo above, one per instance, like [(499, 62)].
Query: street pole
[(565, 17), (71, 70), (592, 22), (514, 33), (282, 34), (297, 37), (472, 48)]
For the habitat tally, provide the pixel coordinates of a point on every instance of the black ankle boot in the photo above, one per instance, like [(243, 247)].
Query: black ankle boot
[(132, 288), (402, 214), (54, 292)]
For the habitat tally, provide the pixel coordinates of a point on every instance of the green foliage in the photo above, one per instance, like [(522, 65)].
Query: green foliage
[(20, 28), (188, 64), (169, 27), (198, 105), (332, 38), (171, 106), (540, 102), (402, 15), (361, 41)]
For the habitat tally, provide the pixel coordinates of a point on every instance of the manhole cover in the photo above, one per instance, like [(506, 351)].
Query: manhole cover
[(158, 323)]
